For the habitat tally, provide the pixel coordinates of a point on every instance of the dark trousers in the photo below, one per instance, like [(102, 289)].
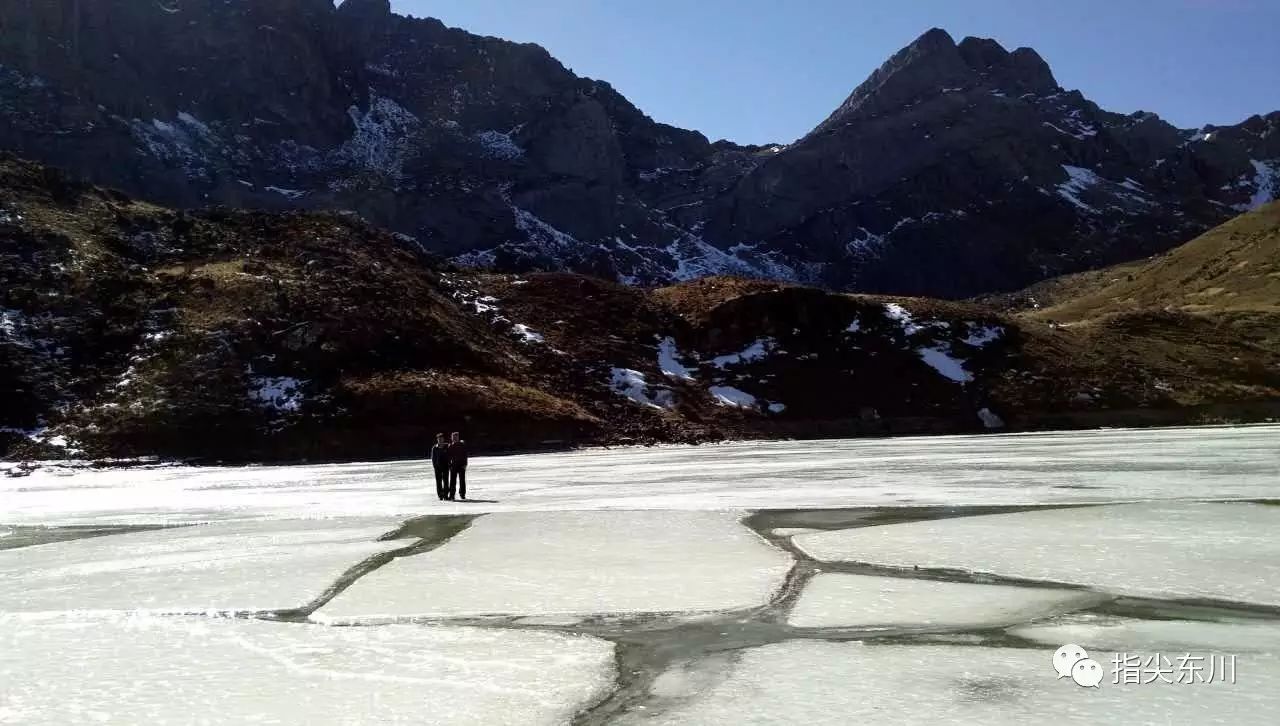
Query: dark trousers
[(442, 482), (458, 481)]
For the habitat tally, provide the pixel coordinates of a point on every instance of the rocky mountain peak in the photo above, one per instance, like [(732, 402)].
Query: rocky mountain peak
[(1022, 71), (365, 9), (931, 62)]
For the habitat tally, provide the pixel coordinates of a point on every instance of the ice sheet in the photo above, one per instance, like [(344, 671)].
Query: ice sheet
[(1128, 634), (226, 566), (1064, 467), (838, 600), (131, 671), (576, 563), (1186, 550), (819, 683)]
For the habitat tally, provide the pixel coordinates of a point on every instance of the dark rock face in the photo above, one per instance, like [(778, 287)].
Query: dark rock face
[(955, 169)]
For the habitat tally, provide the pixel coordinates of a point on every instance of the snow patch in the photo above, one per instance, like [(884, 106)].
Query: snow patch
[(866, 245), (730, 396), (1266, 184), (754, 352), (669, 360), (527, 334), (942, 362), (633, 385), (980, 335), (186, 142), (290, 193), (9, 322), (383, 138), (499, 145), (277, 393), (1079, 179), (903, 317), (989, 419)]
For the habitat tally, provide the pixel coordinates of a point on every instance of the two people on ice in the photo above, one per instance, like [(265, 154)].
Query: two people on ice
[(449, 459)]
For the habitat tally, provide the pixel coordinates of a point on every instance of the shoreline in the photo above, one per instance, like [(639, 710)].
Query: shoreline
[(19, 468)]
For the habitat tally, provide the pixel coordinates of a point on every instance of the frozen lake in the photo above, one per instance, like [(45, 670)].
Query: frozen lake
[(888, 580), (1024, 469)]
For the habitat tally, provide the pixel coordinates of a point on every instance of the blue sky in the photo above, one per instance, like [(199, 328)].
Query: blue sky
[(756, 71)]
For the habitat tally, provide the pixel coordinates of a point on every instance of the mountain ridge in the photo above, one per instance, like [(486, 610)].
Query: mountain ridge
[(495, 155)]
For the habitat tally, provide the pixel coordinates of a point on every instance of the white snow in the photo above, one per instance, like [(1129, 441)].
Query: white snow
[(942, 361), (669, 360), (10, 320), (1034, 468), (128, 671), (854, 327), (527, 334), (839, 600), (752, 353), (277, 393), (777, 408), (902, 316), (384, 138), (730, 396), (571, 563), (290, 193), (499, 145), (633, 385), (989, 419), (980, 335), (1215, 551), (186, 141), (220, 567), (1079, 179), (1266, 184), (693, 258), (834, 684), (866, 245)]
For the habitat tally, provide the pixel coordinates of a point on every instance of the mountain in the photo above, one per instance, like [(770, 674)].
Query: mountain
[(955, 169), (129, 329)]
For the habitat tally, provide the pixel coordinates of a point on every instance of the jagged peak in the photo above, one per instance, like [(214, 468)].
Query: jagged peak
[(930, 62), (982, 53), (932, 39), (365, 8), (1021, 70)]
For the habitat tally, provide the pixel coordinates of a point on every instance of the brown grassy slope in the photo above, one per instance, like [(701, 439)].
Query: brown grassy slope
[(1232, 268), (1201, 321), (138, 330)]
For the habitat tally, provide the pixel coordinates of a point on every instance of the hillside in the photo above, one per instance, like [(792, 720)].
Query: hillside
[(1230, 269), (129, 329), (955, 169)]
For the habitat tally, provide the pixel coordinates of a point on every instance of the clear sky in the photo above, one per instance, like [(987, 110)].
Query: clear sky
[(757, 71)]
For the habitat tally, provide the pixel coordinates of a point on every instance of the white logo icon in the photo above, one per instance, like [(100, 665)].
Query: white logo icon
[(1066, 657), (1087, 673)]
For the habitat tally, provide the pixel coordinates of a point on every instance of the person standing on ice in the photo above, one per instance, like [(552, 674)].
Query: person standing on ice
[(458, 467), (440, 463)]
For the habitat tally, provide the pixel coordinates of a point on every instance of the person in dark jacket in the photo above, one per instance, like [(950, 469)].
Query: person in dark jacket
[(440, 462), (457, 467)]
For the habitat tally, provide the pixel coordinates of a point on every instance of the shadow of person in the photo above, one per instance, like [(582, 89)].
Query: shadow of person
[(478, 501)]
